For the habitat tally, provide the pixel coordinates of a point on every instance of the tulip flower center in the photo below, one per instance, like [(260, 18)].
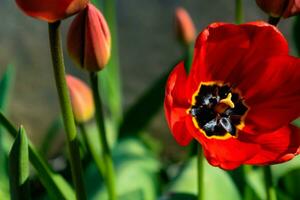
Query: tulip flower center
[(217, 110)]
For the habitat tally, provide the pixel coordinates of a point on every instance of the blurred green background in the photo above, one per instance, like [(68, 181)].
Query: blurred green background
[(147, 46)]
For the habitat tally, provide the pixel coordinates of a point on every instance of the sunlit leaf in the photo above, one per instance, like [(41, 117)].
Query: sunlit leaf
[(19, 167), (255, 179), (217, 183), (55, 184), (136, 170), (281, 170), (6, 83)]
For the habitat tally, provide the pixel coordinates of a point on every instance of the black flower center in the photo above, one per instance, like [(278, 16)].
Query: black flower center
[(218, 110)]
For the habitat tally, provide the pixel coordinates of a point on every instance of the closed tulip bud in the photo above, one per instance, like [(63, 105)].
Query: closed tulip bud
[(89, 40), (81, 99), (51, 10), (278, 8), (184, 25)]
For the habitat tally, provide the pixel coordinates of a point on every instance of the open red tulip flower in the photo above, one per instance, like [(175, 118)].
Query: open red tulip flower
[(239, 97), (51, 10)]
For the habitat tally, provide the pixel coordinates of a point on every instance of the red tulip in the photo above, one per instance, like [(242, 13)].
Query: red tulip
[(89, 40), (51, 10), (185, 27), (278, 8), (239, 98), (81, 99)]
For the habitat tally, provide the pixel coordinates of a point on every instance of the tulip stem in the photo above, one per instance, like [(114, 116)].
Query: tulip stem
[(273, 20), (65, 105), (269, 185), (239, 11), (248, 194), (188, 59), (108, 162), (200, 158), (91, 149)]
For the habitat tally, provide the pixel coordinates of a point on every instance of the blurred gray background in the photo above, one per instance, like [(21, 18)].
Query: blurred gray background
[(147, 46)]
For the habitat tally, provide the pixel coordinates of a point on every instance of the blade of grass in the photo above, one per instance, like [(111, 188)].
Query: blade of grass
[(137, 117), (19, 167), (56, 185), (109, 78), (53, 130), (6, 84)]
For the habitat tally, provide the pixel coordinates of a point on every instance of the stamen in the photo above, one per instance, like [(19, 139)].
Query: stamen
[(217, 110), (228, 101)]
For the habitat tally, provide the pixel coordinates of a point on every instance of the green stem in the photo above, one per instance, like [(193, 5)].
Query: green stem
[(200, 158), (248, 194), (269, 185), (51, 181), (65, 105), (91, 148), (239, 11), (188, 57), (108, 162)]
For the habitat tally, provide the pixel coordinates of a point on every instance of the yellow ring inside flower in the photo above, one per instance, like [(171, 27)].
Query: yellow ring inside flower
[(217, 110)]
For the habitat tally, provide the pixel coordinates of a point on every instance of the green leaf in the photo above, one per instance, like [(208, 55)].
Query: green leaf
[(6, 83), (217, 183), (290, 183), (19, 167), (296, 122), (136, 169), (52, 132), (96, 3), (144, 109), (109, 77), (287, 175), (255, 179), (56, 186)]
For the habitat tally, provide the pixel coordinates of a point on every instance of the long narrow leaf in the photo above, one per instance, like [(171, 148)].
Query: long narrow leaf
[(51, 133), (144, 109), (110, 84), (19, 168), (6, 83), (56, 186)]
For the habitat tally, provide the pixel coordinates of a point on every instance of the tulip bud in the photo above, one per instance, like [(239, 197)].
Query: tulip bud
[(185, 28), (89, 40), (51, 10), (81, 99), (278, 8)]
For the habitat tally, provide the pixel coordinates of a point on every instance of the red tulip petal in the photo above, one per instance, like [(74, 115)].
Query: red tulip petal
[(230, 53), (50, 10), (224, 153), (276, 147), (176, 104), (275, 95)]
